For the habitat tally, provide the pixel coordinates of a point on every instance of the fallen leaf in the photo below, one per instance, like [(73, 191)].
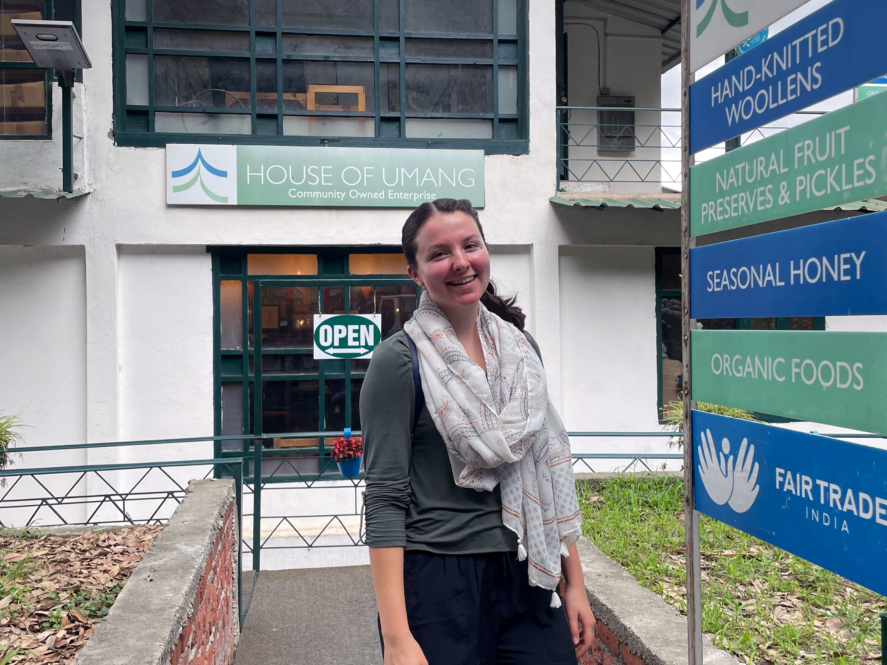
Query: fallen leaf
[(77, 614), (833, 624), (5, 602)]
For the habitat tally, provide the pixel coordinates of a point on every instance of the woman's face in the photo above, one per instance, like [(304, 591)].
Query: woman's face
[(452, 261)]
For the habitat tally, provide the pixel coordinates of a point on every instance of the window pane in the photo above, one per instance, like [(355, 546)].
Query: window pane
[(389, 12), (281, 264), (334, 300), (763, 324), (328, 14), (507, 89), (435, 128), (12, 49), (454, 16), (356, 385), (324, 45), (328, 86), (507, 17), (290, 406), (449, 89), (231, 315), (448, 48), (266, 85), (201, 82), (297, 363), (22, 102), (336, 396), (232, 414), (287, 316), (377, 264), (717, 324), (137, 80), (137, 10), (396, 304), (217, 12), (671, 271), (672, 350), (326, 126), (202, 123), (800, 323), (266, 13), (389, 88), (201, 40)]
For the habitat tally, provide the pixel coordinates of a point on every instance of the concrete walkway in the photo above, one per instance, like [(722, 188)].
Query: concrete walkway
[(314, 616)]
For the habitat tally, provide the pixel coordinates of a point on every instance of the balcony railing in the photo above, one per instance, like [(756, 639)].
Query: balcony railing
[(625, 154)]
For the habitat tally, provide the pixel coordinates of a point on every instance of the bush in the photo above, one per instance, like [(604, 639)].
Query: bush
[(674, 417)]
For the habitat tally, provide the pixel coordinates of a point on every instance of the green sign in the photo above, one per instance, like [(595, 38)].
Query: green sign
[(838, 158), (323, 177), (866, 91), (835, 378), (346, 335)]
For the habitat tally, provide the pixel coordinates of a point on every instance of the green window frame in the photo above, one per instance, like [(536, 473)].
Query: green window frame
[(318, 384), (669, 299), (14, 72), (396, 54)]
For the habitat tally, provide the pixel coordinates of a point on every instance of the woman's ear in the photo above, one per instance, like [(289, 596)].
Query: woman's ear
[(415, 276)]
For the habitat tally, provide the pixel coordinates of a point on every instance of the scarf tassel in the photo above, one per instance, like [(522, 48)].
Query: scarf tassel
[(555, 600), (521, 551)]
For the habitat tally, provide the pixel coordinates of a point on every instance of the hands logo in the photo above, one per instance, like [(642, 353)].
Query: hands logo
[(199, 161), (736, 19), (725, 483)]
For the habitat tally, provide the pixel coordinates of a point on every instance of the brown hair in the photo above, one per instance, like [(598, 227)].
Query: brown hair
[(504, 308)]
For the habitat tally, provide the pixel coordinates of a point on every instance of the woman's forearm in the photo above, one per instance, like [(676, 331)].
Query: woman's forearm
[(572, 567), (387, 567)]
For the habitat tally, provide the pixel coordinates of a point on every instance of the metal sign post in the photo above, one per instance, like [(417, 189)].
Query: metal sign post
[(691, 517)]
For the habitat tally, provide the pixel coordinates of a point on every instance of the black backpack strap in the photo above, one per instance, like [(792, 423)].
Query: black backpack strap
[(417, 382)]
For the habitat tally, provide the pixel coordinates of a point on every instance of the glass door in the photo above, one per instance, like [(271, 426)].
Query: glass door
[(280, 390)]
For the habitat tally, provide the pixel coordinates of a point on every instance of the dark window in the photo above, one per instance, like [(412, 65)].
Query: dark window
[(307, 70), (25, 99), (668, 315)]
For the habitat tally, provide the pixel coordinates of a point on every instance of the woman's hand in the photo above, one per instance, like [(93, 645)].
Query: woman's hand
[(581, 618), (402, 649)]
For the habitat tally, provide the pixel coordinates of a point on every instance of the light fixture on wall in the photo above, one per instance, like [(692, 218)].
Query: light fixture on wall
[(56, 45)]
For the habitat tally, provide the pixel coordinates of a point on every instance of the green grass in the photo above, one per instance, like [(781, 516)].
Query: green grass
[(760, 603)]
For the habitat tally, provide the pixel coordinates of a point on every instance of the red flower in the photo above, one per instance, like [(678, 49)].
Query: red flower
[(346, 449)]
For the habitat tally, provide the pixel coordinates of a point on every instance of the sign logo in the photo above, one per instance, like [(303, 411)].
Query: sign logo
[(736, 19), (736, 485), (203, 175), (346, 335)]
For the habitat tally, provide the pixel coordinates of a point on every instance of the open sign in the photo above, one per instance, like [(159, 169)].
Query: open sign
[(346, 335)]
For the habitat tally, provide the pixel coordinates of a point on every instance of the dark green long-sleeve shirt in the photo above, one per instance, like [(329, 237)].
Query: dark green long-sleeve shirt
[(412, 500)]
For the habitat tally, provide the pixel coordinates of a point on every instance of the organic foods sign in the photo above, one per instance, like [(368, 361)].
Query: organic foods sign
[(324, 177), (348, 336), (835, 378)]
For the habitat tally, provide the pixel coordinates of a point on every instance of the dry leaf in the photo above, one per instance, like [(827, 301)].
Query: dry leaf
[(77, 614), (833, 624)]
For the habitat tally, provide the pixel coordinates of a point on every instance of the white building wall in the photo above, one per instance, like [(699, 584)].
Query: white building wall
[(43, 364)]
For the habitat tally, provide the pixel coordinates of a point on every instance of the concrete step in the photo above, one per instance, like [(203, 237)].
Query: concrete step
[(310, 616)]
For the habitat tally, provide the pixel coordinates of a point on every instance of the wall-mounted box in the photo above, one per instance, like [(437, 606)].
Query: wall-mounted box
[(616, 126)]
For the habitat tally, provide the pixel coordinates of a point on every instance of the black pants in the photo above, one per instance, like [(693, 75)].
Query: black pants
[(481, 610)]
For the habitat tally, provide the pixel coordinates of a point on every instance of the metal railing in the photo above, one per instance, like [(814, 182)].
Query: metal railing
[(644, 153)]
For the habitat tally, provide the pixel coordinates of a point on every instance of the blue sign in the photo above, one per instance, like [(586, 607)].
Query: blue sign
[(831, 269), (881, 80), (751, 42), (827, 52), (821, 499)]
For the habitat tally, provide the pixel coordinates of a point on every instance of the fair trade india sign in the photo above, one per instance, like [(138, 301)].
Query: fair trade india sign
[(834, 378), (838, 158), (322, 177)]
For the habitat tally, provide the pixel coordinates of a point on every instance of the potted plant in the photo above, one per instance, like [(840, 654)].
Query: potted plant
[(347, 452), (9, 436)]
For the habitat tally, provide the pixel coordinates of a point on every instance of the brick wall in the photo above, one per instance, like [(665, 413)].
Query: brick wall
[(209, 635), (606, 649)]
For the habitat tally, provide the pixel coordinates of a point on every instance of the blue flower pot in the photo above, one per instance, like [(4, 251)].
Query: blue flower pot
[(350, 467)]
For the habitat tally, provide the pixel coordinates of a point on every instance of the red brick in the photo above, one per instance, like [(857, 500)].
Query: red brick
[(588, 659), (607, 637), (629, 658), (608, 659), (596, 649)]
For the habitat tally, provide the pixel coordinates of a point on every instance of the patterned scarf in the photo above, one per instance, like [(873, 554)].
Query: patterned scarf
[(500, 428)]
